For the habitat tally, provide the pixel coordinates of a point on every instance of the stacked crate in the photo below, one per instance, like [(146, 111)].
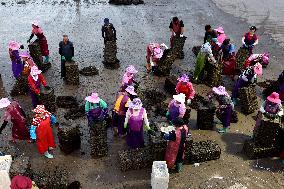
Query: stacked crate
[(98, 139), (72, 73), (178, 44), (248, 99), (47, 99), (69, 137), (205, 116), (160, 175), (110, 59)]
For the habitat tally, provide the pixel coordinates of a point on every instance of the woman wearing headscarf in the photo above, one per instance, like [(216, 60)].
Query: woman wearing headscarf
[(229, 57), (35, 81), (221, 36), (95, 108), (204, 55), (120, 108), (225, 107), (42, 122), (248, 76), (28, 63), (176, 145), (41, 39), (177, 29), (129, 78), (263, 59), (136, 115), (250, 39), (176, 107), (17, 116), (154, 53), (185, 87), (17, 65)]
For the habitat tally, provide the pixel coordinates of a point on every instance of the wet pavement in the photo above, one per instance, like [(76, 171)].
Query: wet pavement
[(136, 27)]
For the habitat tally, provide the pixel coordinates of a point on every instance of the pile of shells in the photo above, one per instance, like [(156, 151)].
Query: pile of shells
[(178, 44), (75, 113), (98, 139), (271, 87), (214, 73), (135, 159), (110, 59), (69, 137), (241, 57), (9, 150), (35, 53), (253, 151), (170, 84), (158, 146), (164, 65), (51, 179), (21, 165), (203, 151), (89, 71), (72, 73), (66, 102), (21, 87), (248, 99), (47, 99), (196, 101), (126, 2), (205, 116)]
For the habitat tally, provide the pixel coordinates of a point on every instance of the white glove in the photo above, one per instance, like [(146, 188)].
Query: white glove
[(188, 101), (181, 35), (174, 34), (244, 78), (261, 109)]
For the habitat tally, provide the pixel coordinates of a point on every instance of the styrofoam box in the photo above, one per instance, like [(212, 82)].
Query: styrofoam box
[(160, 175), (5, 164)]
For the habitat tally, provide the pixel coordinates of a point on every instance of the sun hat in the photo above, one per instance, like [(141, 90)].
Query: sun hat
[(265, 58), (35, 70), (180, 97), (274, 97), (257, 68), (94, 98), (135, 104), (24, 54), (130, 90), (4, 102), (220, 30), (157, 52), (131, 69), (220, 90), (183, 78), (21, 182), (35, 22), (14, 45), (39, 109)]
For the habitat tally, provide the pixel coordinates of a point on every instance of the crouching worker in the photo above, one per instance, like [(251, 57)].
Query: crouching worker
[(176, 108), (176, 145), (95, 108), (41, 125), (154, 54), (185, 86)]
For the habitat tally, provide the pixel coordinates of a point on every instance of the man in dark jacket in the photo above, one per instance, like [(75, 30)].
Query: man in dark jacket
[(209, 34), (66, 50), (108, 31)]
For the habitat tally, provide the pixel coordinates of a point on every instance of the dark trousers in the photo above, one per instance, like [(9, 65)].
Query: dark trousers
[(63, 68)]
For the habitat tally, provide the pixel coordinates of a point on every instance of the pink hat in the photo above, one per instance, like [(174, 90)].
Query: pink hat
[(4, 102), (24, 54), (220, 30), (157, 52), (274, 97), (35, 70), (35, 23), (265, 58), (220, 90), (257, 68), (131, 69), (183, 78), (94, 98), (135, 104), (39, 109), (14, 45), (130, 90), (21, 182)]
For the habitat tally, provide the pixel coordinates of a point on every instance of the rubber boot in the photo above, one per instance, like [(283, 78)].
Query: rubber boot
[(223, 130), (48, 155), (46, 60), (179, 167)]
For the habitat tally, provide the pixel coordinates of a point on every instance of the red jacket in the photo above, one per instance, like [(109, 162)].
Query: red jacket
[(187, 89), (32, 83)]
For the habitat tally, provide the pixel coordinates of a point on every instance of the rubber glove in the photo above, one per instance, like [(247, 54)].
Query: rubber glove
[(125, 126), (63, 58), (174, 34), (188, 101), (167, 114), (181, 35)]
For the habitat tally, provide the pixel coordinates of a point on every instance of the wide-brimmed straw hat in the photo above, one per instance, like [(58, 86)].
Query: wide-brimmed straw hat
[(180, 97), (14, 45), (21, 182), (35, 70), (4, 102), (94, 98), (131, 90), (220, 30), (135, 104), (131, 69), (257, 68), (274, 97), (183, 78), (220, 90)]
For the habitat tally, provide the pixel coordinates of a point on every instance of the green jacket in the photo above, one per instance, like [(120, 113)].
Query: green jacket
[(89, 106)]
